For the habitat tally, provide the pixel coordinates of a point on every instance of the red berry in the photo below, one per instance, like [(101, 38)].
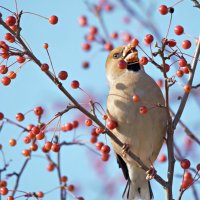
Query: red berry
[(185, 70), (45, 67), (114, 35), (148, 39), (122, 64), (93, 30), (179, 30), (14, 28), (3, 69), (90, 37), (182, 62), (105, 149), (186, 44), (108, 7), (71, 188), (93, 139), (179, 73), (21, 59), (185, 184), (3, 183), (80, 198), (108, 46), (136, 98), (185, 164), (99, 130), (68, 127), (8, 36), (12, 75), (99, 145), (63, 75), (10, 198), (143, 60), (12, 142), (105, 117), (3, 191), (1, 115), (48, 145), (187, 88), (187, 176), (34, 147), (19, 117), (167, 67), (163, 9), (45, 45), (134, 42), (5, 80), (53, 19), (111, 124), (162, 158), (75, 124), (85, 64), (105, 157), (35, 130), (198, 167), (86, 46), (64, 179), (55, 148), (143, 110), (127, 37), (10, 21), (82, 20), (40, 194), (40, 136), (171, 43), (88, 122), (38, 111), (75, 84), (26, 152), (27, 140), (50, 167)]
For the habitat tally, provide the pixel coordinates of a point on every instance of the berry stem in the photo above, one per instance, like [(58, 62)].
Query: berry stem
[(51, 63), (170, 22), (16, 7), (7, 9), (177, 3), (35, 15)]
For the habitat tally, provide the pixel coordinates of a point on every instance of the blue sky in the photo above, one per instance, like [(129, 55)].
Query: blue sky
[(32, 87)]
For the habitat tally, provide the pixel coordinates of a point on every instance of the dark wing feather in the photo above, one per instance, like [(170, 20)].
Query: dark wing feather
[(124, 168)]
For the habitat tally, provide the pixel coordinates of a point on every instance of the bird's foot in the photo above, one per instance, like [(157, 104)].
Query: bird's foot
[(125, 149), (151, 173)]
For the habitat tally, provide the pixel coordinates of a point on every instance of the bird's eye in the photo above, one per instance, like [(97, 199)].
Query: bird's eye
[(117, 55)]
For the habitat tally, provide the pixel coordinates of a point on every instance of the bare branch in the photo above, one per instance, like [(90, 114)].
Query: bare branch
[(196, 86)]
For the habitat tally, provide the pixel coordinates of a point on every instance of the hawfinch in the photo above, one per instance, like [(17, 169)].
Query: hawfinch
[(143, 134)]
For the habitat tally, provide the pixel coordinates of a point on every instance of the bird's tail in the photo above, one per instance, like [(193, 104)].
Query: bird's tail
[(137, 188)]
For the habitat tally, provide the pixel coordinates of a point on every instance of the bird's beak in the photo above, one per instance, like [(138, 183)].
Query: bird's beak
[(130, 54)]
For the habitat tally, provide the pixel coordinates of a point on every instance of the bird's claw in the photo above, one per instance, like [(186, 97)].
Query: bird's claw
[(151, 173), (125, 149)]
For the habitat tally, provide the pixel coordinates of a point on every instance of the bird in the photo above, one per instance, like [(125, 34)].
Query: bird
[(143, 134)]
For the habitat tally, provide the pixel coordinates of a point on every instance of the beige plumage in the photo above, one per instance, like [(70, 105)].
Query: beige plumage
[(143, 133)]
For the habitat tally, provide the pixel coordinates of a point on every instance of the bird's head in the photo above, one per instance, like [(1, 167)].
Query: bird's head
[(128, 54)]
